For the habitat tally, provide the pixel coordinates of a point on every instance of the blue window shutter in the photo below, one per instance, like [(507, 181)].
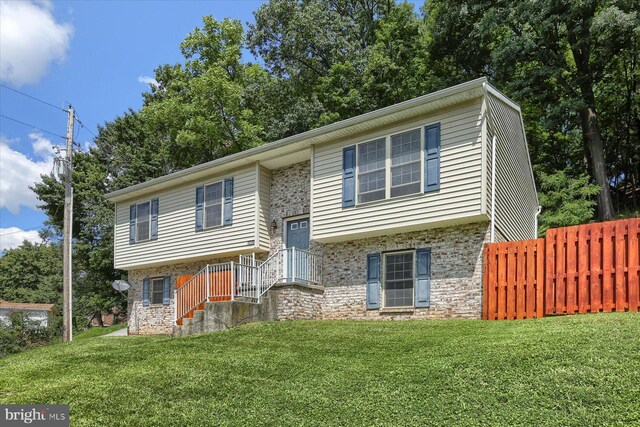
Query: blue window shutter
[(349, 176), (132, 224), (166, 290), (154, 219), (373, 281), (145, 292), (228, 201), (199, 207), (432, 157), (423, 277)]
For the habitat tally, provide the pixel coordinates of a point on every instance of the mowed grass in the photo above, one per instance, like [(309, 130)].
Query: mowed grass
[(574, 370)]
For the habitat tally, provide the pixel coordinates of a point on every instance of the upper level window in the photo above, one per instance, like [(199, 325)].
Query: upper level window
[(143, 221), (405, 163), (378, 178), (372, 170), (213, 204), (392, 166)]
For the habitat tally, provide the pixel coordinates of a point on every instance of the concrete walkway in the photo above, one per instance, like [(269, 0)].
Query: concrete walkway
[(119, 333)]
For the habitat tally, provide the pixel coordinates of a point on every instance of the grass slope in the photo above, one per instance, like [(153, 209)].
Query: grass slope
[(574, 370)]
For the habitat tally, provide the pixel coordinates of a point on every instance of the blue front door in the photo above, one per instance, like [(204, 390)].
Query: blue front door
[(298, 233), (296, 262)]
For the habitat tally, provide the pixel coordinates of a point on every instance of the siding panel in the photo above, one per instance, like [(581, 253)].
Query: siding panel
[(460, 194), (516, 199), (177, 238)]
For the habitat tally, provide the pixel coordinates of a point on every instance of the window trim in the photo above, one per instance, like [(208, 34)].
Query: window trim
[(387, 137), (148, 220), (383, 279), (152, 281), (204, 205)]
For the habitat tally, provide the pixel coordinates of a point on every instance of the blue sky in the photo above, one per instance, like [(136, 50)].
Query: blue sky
[(95, 55)]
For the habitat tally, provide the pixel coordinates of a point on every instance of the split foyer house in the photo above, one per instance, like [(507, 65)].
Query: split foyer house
[(383, 215)]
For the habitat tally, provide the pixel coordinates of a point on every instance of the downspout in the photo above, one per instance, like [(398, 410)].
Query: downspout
[(493, 189), (535, 222)]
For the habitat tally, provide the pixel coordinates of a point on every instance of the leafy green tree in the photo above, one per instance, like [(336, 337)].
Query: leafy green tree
[(548, 53), (32, 272), (201, 109), (565, 200)]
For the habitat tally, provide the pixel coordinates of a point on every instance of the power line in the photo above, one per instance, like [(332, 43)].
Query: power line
[(33, 97), (82, 124), (32, 126), (21, 231)]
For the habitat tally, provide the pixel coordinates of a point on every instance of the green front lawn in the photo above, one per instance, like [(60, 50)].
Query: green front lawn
[(574, 370)]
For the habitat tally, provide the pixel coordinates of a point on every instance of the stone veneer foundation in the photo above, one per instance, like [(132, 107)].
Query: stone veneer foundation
[(456, 281), (456, 273), (158, 318)]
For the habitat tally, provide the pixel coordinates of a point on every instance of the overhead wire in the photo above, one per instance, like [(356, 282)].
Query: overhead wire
[(32, 126), (20, 231), (33, 97)]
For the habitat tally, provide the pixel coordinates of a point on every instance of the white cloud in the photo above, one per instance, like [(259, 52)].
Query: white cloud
[(12, 237), (42, 147), (18, 172), (148, 80), (30, 39)]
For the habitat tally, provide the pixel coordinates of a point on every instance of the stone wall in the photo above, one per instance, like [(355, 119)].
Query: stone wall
[(294, 302), (456, 273), (290, 192), (158, 318)]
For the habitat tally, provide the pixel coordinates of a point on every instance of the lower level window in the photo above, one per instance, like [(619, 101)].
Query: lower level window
[(398, 279), (157, 286)]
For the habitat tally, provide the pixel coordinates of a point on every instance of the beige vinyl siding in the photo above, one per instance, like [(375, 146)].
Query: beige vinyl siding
[(458, 200), (177, 239), (264, 218), (516, 199)]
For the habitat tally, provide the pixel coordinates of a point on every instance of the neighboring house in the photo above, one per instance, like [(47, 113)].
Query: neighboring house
[(388, 213), (39, 314)]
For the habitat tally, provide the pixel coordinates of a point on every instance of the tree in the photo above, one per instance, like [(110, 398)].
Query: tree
[(548, 53), (32, 272), (565, 200), (201, 109)]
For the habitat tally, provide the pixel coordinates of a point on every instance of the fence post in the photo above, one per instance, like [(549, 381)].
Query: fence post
[(293, 261), (175, 307), (208, 283), (233, 280)]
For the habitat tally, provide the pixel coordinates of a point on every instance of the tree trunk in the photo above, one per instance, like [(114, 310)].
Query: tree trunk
[(593, 138), (98, 316), (579, 39)]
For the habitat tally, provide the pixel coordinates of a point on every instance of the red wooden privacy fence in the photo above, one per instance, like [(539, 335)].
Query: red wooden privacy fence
[(581, 269)]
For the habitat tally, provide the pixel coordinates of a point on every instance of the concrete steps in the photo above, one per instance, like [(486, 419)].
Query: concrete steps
[(218, 316)]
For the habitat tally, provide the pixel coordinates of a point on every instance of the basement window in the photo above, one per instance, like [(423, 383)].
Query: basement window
[(157, 287)]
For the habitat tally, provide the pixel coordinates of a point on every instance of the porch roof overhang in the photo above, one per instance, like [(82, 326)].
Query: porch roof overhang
[(286, 148)]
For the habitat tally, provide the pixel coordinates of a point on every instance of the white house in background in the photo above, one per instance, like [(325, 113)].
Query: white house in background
[(40, 314), (383, 215)]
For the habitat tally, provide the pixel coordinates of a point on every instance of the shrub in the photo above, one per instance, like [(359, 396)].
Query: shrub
[(22, 333)]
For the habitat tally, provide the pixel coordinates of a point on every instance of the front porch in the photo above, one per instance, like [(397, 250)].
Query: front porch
[(246, 281)]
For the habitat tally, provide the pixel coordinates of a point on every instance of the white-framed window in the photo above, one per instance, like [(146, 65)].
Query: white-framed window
[(156, 290), (372, 170), (213, 200), (390, 166), (398, 279), (143, 221), (406, 164)]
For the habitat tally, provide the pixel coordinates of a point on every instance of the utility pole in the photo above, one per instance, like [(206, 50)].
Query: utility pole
[(67, 331)]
